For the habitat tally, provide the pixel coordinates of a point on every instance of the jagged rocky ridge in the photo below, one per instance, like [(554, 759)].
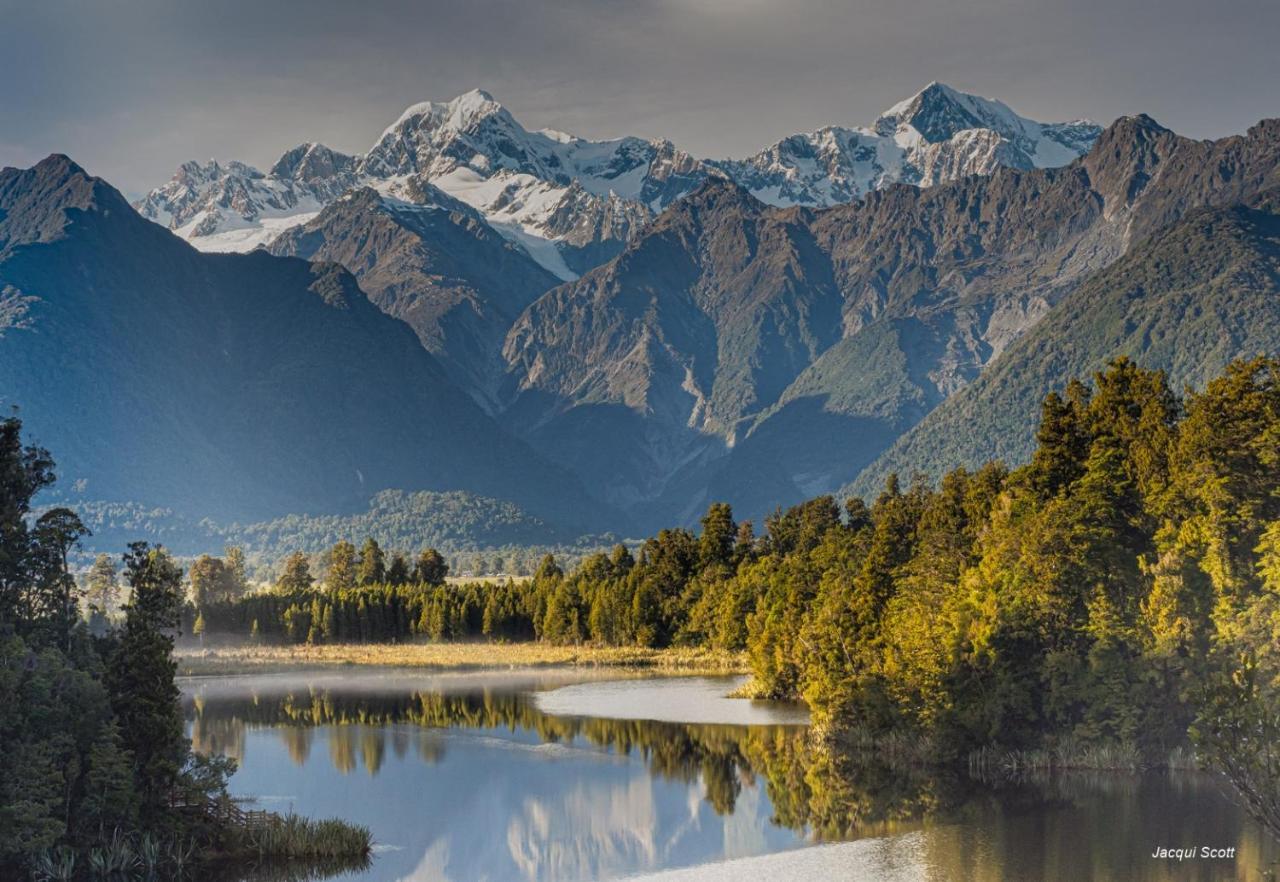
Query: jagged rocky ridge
[(1186, 300), (571, 202)]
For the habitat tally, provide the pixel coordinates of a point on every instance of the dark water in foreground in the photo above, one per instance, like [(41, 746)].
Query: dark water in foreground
[(562, 776)]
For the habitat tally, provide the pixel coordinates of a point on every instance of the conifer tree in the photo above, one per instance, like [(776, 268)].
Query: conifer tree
[(342, 567), (715, 545), (237, 576), (110, 801), (102, 588), (398, 573), (296, 576), (430, 568), (372, 569), (140, 677)]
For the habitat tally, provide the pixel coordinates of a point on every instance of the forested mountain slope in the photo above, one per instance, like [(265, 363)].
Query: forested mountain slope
[(1186, 301)]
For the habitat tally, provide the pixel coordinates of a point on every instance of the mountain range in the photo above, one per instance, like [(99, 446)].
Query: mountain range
[(571, 202), (611, 335), (793, 346)]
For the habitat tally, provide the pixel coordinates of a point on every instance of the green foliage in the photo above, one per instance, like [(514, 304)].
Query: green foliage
[(296, 575), (430, 568), (457, 523), (1076, 606), (1082, 600), (110, 801), (378, 613), (217, 579), (293, 836), (373, 564), (140, 677), (1190, 299), (1239, 733), (102, 585), (399, 573), (91, 739), (341, 573)]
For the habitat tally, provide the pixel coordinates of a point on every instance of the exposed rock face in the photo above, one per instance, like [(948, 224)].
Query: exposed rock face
[(235, 207), (733, 338), (715, 308), (322, 172), (936, 136), (435, 264), (567, 203), (675, 331)]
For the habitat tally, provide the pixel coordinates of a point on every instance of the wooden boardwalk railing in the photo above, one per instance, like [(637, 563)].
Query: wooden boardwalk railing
[(226, 813)]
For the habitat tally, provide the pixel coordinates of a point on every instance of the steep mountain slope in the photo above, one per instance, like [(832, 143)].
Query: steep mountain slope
[(718, 306), (732, 339), (1188, 300), (572, 203), (730, 349), (939, 282), (234, 386), (435, 264)]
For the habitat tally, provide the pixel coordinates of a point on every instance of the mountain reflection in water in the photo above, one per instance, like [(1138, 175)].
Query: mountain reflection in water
[(466, 778)]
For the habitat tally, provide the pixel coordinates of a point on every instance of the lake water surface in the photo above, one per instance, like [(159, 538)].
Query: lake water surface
[(570, 775)]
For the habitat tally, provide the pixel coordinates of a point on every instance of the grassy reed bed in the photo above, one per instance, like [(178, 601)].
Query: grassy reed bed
[(194, 662), (295, 837), (291, 848), (1066, 756), (895, 749), (1184, 759)]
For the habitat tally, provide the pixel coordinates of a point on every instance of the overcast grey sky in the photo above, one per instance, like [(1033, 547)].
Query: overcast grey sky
[(130, 88)]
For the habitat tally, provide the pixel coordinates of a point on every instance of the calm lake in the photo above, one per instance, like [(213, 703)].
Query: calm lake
[(566, 775)]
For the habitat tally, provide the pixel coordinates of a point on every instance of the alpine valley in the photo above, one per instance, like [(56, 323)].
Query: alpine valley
[(601, 337)]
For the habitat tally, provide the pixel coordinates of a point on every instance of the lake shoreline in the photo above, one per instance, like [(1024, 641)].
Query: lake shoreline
[(216, 661)]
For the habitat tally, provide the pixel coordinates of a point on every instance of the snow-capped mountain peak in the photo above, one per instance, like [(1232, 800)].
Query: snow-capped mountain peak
[(471, 129), (936, 135), (457, 113), (938, 113), (572, 202), (311, 162)]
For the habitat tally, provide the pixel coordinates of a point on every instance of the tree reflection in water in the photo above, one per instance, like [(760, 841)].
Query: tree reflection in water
[(1052, 828)]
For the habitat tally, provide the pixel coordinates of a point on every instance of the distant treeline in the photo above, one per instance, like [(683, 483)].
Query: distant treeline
[(374, 613), (474, 534)]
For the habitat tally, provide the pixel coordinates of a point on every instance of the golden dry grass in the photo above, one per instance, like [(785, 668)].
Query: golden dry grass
[(449, 657)]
